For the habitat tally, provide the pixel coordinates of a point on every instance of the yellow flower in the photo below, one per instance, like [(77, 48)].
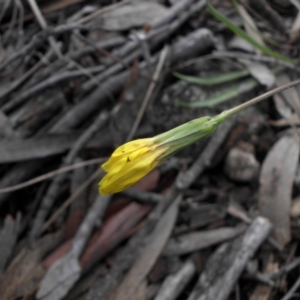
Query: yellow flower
[(129, 163), (132, 161)]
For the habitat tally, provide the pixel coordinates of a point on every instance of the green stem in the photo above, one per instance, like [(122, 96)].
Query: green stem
[(260, 98)]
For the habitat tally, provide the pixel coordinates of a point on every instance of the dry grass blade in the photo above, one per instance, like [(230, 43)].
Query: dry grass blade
[(73, 197), (147, 98), (52, 174)]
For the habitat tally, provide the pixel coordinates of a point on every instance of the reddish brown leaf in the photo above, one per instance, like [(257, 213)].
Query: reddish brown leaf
[(113, 232)]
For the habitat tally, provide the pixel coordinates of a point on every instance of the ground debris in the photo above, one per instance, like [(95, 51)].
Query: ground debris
[(79, 78)]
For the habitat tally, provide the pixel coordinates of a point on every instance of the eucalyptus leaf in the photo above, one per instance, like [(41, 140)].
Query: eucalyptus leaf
[(210, 81)]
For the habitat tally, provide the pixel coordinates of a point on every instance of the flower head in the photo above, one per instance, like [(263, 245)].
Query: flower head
[(129, 163), (132, 161)]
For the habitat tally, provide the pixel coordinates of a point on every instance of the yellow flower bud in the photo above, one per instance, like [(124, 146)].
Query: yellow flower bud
[(129, 163), (133, 160)]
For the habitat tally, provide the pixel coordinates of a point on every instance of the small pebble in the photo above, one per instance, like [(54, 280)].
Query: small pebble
[(241, 165)]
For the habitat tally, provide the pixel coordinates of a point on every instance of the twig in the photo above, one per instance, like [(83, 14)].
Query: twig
[(285, 269), (73, 197), (25, 76), (53, 190), (150, 90), (293, 289), (141, 38), (36, 85), (262, 8), (227, 263), (113, 69), (63, 274), (45, 10), (44, 26), (173, 285), (97, 210), (143, 197), (153, 38), (194, 43), (38, 39), (92, 47), (67, 75), (52, 174)]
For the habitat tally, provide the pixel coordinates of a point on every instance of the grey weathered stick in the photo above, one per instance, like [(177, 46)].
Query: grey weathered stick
[(174, 284), (38, 39), (39, 16), (43, 77), (173, 12), (62, 275), (195, 241), (291, 293), (225, 266), (130, 51)]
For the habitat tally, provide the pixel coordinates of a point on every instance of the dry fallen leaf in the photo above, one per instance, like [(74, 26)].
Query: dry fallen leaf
[(26, 270), (149, 254), (276, 181), (132, 15)]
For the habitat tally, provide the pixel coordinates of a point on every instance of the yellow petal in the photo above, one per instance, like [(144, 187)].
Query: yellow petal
[(132, 146), (123, 173)]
